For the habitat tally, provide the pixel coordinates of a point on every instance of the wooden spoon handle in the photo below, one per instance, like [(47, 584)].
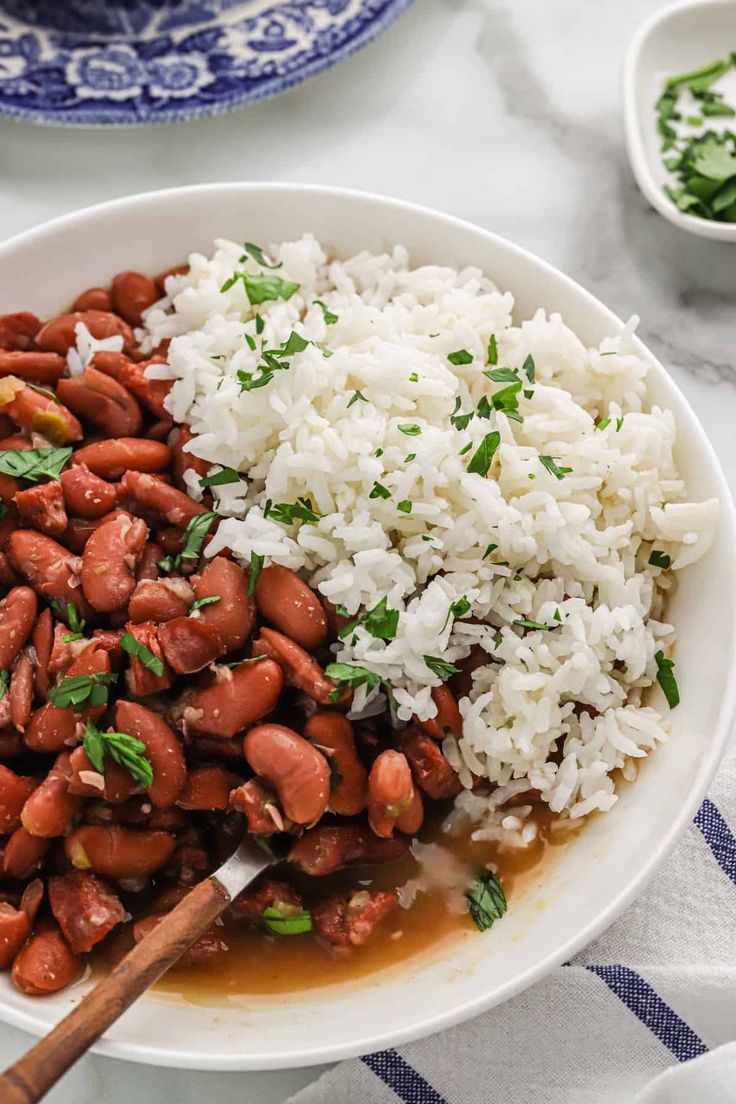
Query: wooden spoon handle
[(33, 1075)]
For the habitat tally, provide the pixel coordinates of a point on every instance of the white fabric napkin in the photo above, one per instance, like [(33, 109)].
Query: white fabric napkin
[(619, 1025)]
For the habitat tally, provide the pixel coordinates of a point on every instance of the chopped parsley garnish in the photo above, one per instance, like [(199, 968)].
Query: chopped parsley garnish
[(486, 900), (379, 491), (414, 377), (492, 352), (380, 622), (260, 324), (460, 607), (483, 409), (489, 548), (482, 458), (220, 479), (507, 401), (503, 375), (460, 421), (409, 457), (410, 429), (71, 638), (602, 423), (441, 667), (357, 396), (666, 679), (349, 674), (126, 750), (378, 452), (140, 652), (250, 342), (288, 512), (73, 620), (194, 535), (325, 351), (34, 464), (524, 623), (461, 356), (77, 690), (467, 448), (548, 462), (209, 600), (327, 314), (659, 559), (619, 423), (404, 506), (286, 923), (256, 563), (263, 287), (529, 369), (4, 682), (256, 253), (274, 360)]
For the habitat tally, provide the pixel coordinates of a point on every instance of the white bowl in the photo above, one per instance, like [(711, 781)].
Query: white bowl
[(675, 40), (611, 861)]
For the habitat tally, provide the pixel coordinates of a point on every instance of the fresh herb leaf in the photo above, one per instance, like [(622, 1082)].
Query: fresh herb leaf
[(263, 287), (288, 512), (461, 356), (619, 423), (602, 423), (503, 375), (409, 457), (34, 464), (659, 559), (529, 369), (379, 491), (489, 548), (548, 462), (4, 682), (414, 377), (126, 750), (284, 923), (357, 396), (410, 429), (220, 479), (209, 600), (256, 563), (666, 679), (699, 79), (327, 314), (483, 409), (140, 652), (73, 637), (486, 900), (260, 324), (250, 342), (507, 401), (324, 349), (405, 506), (295, 343), (482, 458), (492, 351), (194, 535), (349, 674), (257, 254), (74, 690), (43, 391), (441, 667), (460, 421), (380, 622), (524, 623), (467, 448), (460, 607)]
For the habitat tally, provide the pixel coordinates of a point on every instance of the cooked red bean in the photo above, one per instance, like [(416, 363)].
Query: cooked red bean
[(139, 678), (148, 568), (234, 699), (118, 853), (109, 561), (45, 964), (163, 749), (14, 792), (94, 298), (20, 693), (99, 399), (42, 507), (11, 744), (431, 771), (85, 494), (150, 392), (43, 640), (328, 848), (152, 494), (234, 615), (23, 854), (393, 800), (51, 810), (36, 412), (259, 806), (59, 335), (132, 294), (17, 618), (207, 788), (85, 908), (447, 719), (160, 599), (52, 728), (18, 330), (297, 771), (43, 368), (49, 568), (111, 459), (293, 607), (115, 785), (189, 645), (332, 734), (15, 928), (349, 920), (182, 461), (299, 668)]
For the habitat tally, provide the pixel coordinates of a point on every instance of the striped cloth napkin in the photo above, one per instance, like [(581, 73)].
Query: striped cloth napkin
[(655, 991)]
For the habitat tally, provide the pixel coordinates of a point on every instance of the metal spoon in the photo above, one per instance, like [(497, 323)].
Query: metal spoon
[(30, 1078)]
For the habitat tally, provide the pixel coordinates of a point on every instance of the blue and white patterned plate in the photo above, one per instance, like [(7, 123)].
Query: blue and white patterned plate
[(92, 63)]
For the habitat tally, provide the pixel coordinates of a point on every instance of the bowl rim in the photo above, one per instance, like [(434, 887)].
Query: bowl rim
[(634, 130), (436, 1021)]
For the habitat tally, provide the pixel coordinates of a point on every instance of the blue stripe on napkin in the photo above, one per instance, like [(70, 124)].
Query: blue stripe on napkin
[(401, 1078), (638, 995), (718, 836)]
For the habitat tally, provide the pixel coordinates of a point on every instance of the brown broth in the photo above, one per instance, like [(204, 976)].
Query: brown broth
[(264, 964)]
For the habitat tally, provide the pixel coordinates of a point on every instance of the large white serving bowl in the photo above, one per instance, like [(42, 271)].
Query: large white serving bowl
[(610, 862)]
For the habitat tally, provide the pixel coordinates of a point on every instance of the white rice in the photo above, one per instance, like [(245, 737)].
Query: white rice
[(571, 552)]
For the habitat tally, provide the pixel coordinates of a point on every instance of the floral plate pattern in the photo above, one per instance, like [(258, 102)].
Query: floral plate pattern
[(133, 62)]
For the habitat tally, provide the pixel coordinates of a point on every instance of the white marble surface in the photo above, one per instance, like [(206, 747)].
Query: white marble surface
[(505, 113)]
